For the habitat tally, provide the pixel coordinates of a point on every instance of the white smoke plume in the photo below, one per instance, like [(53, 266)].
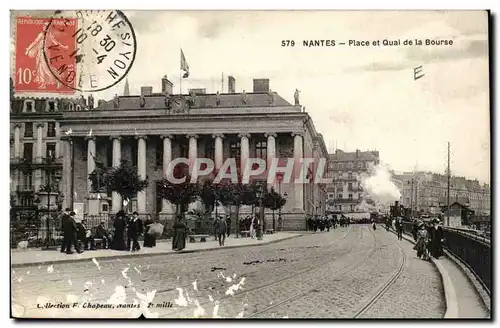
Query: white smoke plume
[(378, 186)]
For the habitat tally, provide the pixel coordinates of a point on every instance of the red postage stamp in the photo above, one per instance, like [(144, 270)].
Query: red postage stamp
[(34, 44)]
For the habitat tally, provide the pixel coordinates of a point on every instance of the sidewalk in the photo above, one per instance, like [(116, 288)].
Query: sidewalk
[(20, 258), (462, 299)]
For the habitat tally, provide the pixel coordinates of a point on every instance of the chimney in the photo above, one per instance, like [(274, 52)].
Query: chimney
[(260, 85), (167, 87), (146, 91), (231, 85), (357, 153)]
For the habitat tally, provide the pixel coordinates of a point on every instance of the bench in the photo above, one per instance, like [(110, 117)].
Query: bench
[(203, 238), (245, 233), (269, 231)]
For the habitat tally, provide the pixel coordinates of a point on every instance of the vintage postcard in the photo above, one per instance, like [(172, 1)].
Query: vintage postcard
[(250, 164)]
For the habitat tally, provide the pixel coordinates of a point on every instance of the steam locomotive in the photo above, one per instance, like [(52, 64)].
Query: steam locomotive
[(398, 210)]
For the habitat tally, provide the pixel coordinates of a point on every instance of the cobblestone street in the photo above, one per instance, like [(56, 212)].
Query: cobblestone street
[(332, 274)]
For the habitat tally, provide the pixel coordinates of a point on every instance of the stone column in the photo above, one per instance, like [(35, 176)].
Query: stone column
[(17, 141), (245, 149), (218, 156), (167, 158), (193, 148), (117, 155), (58, 143), (298, 154), (91, 152), (66, 172), (271, 153), (141, 171)]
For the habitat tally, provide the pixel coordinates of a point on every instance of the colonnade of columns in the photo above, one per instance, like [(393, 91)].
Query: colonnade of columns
[(167, 158)]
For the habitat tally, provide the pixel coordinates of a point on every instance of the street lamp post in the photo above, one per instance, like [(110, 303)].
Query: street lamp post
[(259, 195), (49, 188)]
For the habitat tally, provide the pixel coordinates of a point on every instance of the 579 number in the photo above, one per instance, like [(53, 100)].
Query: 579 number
[(287, 43)]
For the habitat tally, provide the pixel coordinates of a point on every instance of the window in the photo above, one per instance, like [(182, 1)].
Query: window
[(104, 207), (159, 152), (29, 106), (349, 185), (28, 181), (184, 147), (51, 106), (210, 150), (360, 165), (349, 165), (339, 196), (352, 208), (261, 149), (349, 176), (28, 130), (109, 154), (341, 166), (350, 196), (51, 129), (235, 152), (51, 150), (28, 152)]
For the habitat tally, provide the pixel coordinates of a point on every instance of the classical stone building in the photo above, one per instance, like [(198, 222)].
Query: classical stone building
[(152, 129)]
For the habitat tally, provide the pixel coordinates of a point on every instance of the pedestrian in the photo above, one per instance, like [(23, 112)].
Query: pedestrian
[(422, 241), (102, 233), (134, 231), (70, 230), (119, 233), (66, 237), (179, 239), (86, 236), (149, 240), (221, 230), (252, 226), (436, 236), (399, 228), (228, 224)]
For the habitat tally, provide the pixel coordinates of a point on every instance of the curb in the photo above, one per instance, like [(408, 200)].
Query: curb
[(471, 277), (129, 255), (449, 290)]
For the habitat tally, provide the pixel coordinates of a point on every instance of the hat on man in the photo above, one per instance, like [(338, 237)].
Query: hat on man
[(72, 213), (435, 220), (135, 213)]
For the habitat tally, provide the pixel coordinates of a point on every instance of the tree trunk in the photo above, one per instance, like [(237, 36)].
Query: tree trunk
[(274, 222)]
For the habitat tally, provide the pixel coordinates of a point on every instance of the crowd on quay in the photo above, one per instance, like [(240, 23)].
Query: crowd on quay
[(428, 236), (125, 235), (322, 223)]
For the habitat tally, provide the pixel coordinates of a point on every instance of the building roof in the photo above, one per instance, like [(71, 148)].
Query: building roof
[(342, 156), (201, 101)]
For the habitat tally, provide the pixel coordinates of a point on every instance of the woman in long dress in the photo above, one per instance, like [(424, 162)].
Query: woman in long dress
[(149, 240), (119, 234), (179, 240)]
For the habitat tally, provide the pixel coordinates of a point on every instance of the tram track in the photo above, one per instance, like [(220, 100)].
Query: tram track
[(385, 287), (347, 269), (245, 291)]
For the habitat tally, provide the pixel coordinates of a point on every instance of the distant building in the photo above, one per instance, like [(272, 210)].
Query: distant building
[(346, 168), (427, 192)]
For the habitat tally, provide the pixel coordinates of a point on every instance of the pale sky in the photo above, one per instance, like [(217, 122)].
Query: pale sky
[(359, 97)]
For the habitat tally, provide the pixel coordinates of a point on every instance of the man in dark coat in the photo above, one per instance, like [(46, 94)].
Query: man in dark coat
[(119, 233), (66, 237), (436, 234), (134, 231), (221, 228), (102, 233), (70, 231), (179, 240)]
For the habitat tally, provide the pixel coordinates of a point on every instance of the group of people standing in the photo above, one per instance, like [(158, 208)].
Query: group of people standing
[(125, 236), (322, 223), (429, 238), (127, 231)]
